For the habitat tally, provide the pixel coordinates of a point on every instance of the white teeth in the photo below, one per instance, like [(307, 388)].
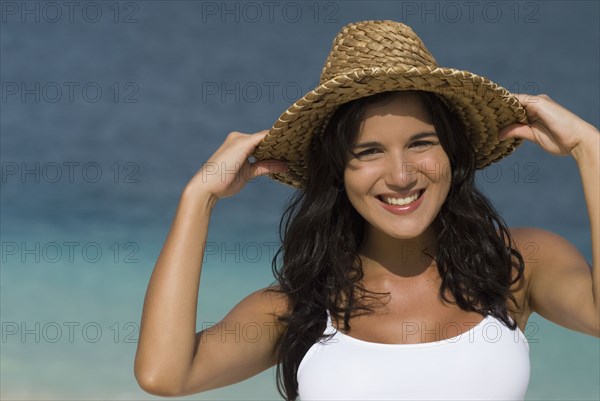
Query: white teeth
[(402, 201)]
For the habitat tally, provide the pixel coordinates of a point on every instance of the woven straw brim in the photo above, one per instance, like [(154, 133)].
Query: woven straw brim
[(484, 107)]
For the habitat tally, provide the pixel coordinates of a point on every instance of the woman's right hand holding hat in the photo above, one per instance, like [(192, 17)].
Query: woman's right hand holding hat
[(227, 171), (551, 126)]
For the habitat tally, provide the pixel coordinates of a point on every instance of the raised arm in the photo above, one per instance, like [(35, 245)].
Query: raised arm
[(172, 358), (561, 286)]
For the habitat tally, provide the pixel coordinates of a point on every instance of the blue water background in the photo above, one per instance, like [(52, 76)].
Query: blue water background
[(166, 58)]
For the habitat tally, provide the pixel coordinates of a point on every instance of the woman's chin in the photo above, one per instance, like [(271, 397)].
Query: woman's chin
[(406, 231)]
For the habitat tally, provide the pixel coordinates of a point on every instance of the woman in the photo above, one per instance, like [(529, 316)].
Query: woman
[(394, 264)]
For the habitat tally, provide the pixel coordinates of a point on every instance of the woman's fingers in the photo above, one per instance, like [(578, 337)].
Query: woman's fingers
[(554, 128), (228, 170), (238, 146), (526, 131)]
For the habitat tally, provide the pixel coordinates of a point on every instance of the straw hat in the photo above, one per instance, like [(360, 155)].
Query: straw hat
[(370, 57)]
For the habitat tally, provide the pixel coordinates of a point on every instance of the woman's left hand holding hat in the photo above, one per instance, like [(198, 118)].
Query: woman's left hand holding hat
[(554, 128)]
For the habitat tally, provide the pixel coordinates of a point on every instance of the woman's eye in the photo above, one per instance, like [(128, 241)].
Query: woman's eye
[(421, 144), (372, 151), (367, 152)]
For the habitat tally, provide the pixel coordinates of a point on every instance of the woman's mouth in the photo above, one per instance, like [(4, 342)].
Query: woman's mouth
[(402, 205), (401, 201)]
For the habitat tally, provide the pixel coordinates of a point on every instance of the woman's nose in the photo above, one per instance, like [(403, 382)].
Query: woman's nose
[(400, 172)]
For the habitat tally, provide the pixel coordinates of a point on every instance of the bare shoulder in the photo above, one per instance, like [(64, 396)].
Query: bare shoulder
[(539, 246), (273, 303), (273, 297), (535, 244), (540, 249), (266, 304), (559, 280)]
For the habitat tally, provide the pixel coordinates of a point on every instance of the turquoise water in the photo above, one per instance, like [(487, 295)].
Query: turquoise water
[(78, 250)]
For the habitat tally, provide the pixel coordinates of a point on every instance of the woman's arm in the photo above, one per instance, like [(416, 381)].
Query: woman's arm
[(172, 359), (168, 324), (587, 155), (561, 287)]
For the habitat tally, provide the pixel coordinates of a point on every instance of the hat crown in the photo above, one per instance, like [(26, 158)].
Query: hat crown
[(368, 44)]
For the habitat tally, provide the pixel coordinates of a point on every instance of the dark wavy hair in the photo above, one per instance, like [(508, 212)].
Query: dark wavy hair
[(321, 232)]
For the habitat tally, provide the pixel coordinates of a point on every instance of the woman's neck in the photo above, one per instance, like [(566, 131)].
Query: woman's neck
[(405, 259)]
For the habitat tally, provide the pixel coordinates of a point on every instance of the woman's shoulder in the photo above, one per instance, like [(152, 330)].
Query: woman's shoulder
[(273, 299), (261, 309), (530, 241), (559, 279), (536, 243), (262, 306)]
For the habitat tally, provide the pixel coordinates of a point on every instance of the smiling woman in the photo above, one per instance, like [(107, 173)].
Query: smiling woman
[(440, 260), (387, 233)]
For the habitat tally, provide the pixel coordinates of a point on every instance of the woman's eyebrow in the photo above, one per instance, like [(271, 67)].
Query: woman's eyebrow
[(412, 138)]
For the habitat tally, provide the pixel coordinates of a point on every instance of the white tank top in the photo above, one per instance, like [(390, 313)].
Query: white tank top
[(487, 362)]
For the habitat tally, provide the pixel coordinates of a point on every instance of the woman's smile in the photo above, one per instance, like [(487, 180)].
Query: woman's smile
[(398, 204)]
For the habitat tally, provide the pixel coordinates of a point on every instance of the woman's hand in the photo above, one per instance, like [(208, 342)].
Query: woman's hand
[(227, 171), (554, 128)]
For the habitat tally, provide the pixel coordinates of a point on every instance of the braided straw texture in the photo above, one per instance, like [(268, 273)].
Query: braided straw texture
[(370, 57)]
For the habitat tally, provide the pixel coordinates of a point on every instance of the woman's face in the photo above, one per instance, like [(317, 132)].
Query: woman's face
[(401, 156)]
